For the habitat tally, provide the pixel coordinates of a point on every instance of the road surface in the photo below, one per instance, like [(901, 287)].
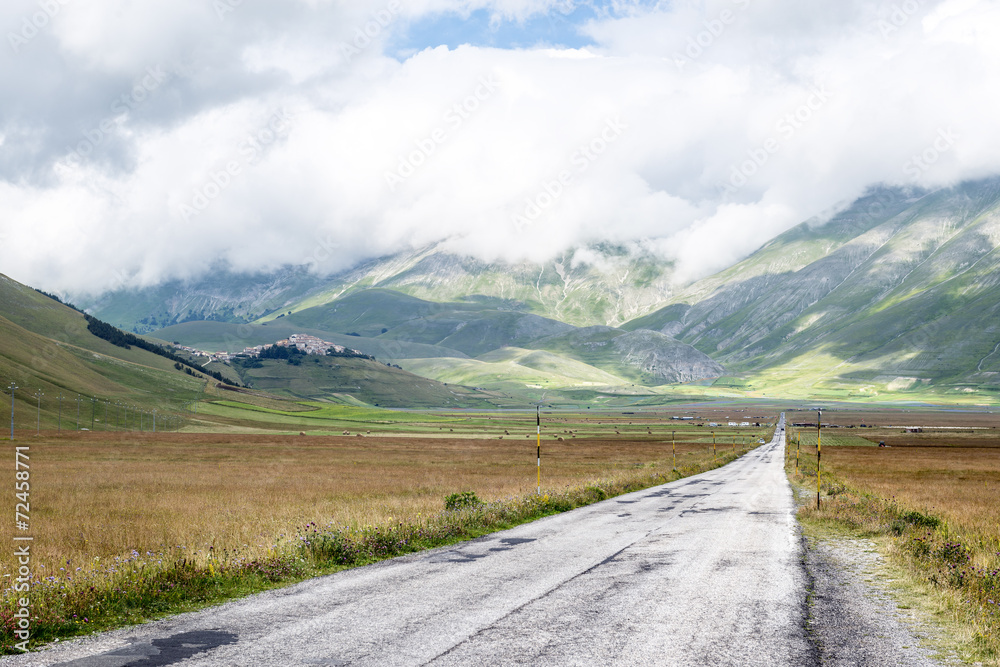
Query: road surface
[(708, 570)]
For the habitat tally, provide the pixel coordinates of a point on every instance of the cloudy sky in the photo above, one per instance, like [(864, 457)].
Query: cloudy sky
[(144, 140)]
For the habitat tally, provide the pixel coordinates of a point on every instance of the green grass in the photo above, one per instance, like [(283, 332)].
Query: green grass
[(499, 368), (39, 364), (368, 381)]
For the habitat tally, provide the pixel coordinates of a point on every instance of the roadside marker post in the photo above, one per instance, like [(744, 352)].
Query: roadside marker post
[(819, 453), (38, 422), (673, 446), (798, 448), (13, 387), (538, 428), (714, 455)]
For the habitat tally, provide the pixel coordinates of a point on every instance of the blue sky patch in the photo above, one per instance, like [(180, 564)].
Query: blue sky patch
[(451, 29)]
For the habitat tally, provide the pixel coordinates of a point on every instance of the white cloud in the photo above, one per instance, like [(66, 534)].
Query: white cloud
[(701, 131)]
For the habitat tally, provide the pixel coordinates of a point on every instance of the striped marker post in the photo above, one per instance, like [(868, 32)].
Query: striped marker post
[(673, 446), (538, 428), (819, 453)]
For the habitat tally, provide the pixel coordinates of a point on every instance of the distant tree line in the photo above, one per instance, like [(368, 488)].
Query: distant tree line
[(349, 353), (123, 339), (56, 298)]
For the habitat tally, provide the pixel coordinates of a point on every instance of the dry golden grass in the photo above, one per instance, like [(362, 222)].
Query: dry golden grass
[(942, 473), (958, 484), (94, 495)]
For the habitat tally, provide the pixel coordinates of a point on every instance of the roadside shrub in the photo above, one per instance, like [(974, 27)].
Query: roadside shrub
[(461, 501), (918, 519)]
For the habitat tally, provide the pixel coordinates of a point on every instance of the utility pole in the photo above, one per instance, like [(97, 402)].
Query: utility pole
[(93, 411), (13, 387), (78, 412), (59, 429)]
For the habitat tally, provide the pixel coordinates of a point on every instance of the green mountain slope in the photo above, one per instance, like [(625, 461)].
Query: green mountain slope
[(472, 328), (511, 369), (394, 326), (358, 379), (220, 295), (644, 357), (45, 346), (896, 292), (902, 295), (227, 337), (602, 284), (605, 285)]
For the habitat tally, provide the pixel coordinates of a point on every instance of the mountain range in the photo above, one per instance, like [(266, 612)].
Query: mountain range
[(893, 296)]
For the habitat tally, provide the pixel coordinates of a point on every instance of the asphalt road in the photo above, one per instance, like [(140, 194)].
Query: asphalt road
[(707, 570)]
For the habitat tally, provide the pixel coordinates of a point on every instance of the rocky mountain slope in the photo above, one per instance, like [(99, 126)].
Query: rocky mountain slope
[(397, 327), (900, 288), (606, 285), (896, 291)]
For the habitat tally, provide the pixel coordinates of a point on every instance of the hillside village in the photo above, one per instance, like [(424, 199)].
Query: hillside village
[(303, 342)]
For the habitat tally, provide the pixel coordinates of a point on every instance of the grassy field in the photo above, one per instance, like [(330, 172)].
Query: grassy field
[(95, 497), (130, 525), (930, 497)]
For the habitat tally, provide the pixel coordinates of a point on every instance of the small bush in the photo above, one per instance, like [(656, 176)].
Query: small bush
[(461, 501), (918, 519)]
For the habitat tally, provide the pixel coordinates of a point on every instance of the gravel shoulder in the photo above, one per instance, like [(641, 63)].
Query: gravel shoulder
[(856, 617)]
